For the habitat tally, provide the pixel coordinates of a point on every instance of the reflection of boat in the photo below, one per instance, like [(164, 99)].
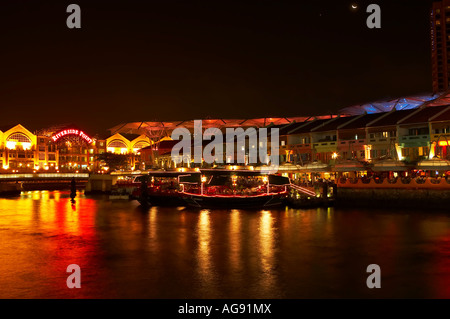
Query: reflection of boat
[(115, 196), (235, 189), (10, 189)]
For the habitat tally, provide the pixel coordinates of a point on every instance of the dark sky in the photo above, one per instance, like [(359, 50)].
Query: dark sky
[(172, 60)]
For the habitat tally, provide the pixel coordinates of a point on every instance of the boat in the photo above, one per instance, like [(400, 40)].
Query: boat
[(244, 189), (160, 188)]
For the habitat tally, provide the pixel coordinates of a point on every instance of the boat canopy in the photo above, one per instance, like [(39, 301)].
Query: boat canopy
[(189, 179), (279, 180)]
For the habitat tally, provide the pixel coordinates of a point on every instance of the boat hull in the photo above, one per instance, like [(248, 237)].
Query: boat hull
[(244, 202), (174, 200)]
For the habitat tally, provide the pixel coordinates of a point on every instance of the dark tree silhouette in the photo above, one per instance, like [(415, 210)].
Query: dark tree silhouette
[(114, 161)]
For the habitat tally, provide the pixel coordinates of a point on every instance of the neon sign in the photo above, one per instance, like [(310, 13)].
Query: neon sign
[(72, 132)]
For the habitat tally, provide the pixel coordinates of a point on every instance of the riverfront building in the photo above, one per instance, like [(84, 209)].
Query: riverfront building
[(406, 129), (65, 149)]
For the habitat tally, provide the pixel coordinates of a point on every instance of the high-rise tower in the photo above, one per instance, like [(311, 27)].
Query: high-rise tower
[(440, 45)]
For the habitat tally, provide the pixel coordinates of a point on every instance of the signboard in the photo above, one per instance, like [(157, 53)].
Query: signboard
[(79, 133)]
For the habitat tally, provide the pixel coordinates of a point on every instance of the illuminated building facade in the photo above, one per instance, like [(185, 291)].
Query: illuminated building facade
[(18, 149), (63, 149), (129, 145), (408, 129)]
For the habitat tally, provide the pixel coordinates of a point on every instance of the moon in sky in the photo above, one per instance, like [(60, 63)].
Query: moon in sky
[(354, 6)]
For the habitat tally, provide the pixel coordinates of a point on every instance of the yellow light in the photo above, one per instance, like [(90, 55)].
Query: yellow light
[(203, 179), (335, 155), (265, 179), (10, 145)]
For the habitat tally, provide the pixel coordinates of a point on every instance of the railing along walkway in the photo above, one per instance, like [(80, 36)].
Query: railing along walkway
[(303, 190), (420, 183)]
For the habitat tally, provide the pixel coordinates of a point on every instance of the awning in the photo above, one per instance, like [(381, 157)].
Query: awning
[(349, 166), (315, 167), (389, 165), (435, 164)]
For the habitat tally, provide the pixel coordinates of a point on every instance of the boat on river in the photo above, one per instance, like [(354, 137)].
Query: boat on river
[(244, 189), (211, 188), (160, 188)]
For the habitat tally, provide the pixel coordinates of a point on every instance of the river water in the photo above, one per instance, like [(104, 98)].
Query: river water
[(126, 252)]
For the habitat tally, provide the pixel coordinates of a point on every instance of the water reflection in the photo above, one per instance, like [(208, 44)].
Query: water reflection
[(128, 252), (205, 270), (267, 250), (235, 242)]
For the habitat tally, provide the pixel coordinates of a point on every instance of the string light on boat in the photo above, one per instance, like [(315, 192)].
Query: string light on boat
[(234, 179)]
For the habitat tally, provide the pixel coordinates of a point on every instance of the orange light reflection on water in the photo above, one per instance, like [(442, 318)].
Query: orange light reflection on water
[(41, 235)]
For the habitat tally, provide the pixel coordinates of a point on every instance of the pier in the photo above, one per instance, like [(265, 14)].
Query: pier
[(41, 181)]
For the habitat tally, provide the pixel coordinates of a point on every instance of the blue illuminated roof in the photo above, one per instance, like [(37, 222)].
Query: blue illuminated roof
[(404, 103)]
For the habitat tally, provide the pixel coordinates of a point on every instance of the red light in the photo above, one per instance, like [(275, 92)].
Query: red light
[(443, 143), (72, 132)]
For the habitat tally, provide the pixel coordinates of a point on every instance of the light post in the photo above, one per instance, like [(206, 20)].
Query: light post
[(201, 185)]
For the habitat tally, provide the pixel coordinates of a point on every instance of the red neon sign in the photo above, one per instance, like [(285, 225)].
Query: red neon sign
[(72, 132)]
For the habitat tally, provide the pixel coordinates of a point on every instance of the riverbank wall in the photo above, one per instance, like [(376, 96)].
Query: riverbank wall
[(429, 193)]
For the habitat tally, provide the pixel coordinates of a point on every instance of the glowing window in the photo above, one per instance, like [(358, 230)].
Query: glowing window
[(140, 145), (18, 137), (117, 144)]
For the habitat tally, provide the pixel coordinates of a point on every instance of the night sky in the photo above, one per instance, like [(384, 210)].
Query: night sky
[(174, 60)]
